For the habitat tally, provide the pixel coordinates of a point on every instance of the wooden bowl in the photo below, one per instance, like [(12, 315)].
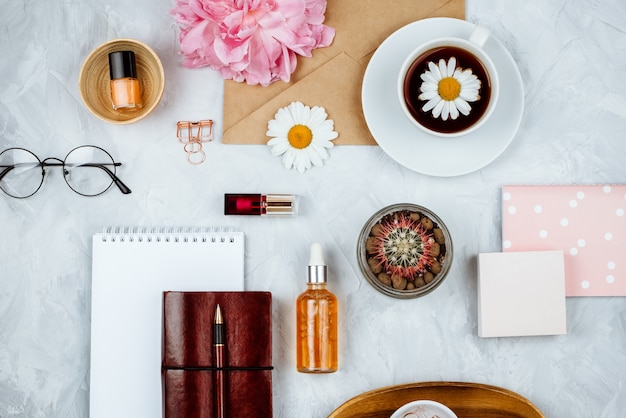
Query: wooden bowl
[(465, 399), (94, 81)]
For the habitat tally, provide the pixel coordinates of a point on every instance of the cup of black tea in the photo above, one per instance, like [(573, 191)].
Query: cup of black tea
[(449, 87)]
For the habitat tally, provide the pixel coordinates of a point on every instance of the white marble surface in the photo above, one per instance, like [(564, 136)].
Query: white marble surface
[(571, 54)]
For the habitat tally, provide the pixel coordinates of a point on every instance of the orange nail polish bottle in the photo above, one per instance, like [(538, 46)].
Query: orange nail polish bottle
[(125, 93)]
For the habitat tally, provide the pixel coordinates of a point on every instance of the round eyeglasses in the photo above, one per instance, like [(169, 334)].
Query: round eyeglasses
[(88, 170)]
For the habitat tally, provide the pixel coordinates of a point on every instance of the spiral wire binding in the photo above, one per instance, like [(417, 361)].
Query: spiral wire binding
[(168, 234)]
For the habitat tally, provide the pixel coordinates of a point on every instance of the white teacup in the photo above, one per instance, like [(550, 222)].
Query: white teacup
[(444, 100)]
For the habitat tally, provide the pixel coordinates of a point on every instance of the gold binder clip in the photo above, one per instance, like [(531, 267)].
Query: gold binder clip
[(195, 131), (193, 135)]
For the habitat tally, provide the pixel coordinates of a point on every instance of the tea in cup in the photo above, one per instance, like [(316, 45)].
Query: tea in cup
[(449, 86)]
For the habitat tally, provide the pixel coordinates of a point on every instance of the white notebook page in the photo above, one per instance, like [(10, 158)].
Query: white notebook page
[(130, 272)]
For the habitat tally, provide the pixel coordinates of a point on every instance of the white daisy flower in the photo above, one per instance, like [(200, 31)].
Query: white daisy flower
[(448, 89), (301, 135)]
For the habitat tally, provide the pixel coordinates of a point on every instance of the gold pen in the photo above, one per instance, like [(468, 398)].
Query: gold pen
[(219, 345)]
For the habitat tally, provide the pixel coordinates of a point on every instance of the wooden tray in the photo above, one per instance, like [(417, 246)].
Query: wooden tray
[(467, 400)]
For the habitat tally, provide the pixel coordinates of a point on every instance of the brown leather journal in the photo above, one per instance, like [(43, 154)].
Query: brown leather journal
[(189, 369)]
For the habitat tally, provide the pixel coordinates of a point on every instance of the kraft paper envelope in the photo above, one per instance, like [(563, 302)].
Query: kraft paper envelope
[(332, 77)]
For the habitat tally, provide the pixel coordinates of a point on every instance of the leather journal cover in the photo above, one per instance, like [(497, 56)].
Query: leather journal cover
[(189, 369)]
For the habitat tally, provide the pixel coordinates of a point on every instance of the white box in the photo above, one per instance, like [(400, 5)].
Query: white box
[(521, 293)]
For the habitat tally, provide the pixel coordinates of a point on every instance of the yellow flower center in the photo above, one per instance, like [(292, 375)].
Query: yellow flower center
[(300, 136), (449, 88)]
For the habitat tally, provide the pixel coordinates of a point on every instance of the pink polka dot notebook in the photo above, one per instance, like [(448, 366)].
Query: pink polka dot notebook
[(587, 223)]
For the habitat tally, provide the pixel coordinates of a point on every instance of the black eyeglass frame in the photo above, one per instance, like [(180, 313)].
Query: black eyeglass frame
[(57, 162)]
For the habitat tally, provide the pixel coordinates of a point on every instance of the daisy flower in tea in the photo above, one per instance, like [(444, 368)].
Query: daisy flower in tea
[(301, 135), (448, 90)]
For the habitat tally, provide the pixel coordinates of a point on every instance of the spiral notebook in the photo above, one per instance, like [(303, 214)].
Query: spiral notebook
[(131, 268)]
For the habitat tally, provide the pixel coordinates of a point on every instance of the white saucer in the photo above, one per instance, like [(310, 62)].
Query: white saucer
[(406, 143)]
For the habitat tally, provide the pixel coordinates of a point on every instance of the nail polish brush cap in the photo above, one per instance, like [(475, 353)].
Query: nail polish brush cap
[(122, 65), (318, 270)]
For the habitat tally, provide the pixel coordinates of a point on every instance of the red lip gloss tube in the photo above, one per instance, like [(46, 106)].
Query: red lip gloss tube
[(261, 204)]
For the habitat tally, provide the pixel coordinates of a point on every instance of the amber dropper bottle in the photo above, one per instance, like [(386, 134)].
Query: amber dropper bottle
[(316, 319), (125, 92)]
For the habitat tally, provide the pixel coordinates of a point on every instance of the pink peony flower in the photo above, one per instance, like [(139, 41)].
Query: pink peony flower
[(256, 41)]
